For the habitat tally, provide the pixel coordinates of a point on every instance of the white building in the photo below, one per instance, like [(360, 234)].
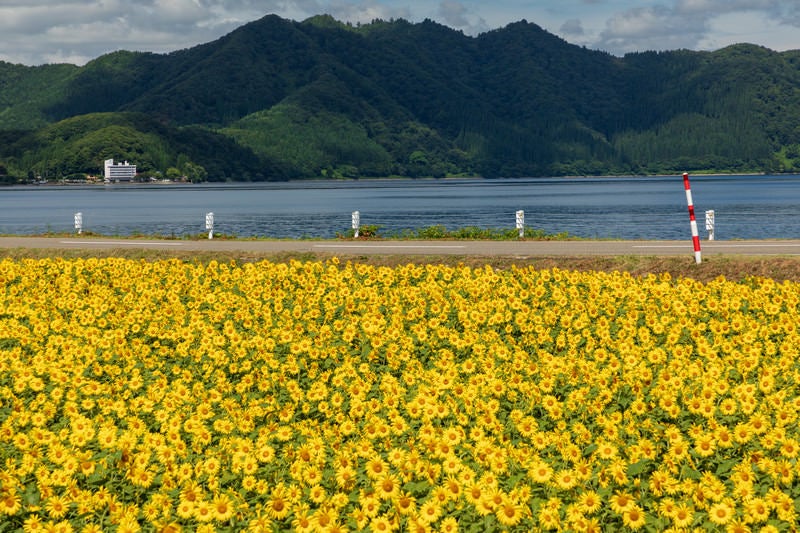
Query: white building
[(119, 171)]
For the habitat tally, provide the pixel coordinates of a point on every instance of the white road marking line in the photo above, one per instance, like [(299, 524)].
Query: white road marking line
[(383, 246), (661, 246), (754, 245), (713, 246)]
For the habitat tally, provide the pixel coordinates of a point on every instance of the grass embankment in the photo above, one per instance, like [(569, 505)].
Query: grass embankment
[(733, 268)]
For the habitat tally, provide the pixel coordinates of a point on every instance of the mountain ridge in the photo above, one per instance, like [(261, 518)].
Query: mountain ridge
[(321, 98)]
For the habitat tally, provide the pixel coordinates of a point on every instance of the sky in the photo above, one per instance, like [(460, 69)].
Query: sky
[(35, 32)]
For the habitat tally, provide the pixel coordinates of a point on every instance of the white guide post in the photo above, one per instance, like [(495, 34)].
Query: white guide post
[(710, 224), (356, 219), (210, 225)]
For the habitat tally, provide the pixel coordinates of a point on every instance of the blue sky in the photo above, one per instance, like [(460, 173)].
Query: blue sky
[(34, 32)]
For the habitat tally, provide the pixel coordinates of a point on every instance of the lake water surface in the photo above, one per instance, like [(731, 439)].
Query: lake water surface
[(746, 207)]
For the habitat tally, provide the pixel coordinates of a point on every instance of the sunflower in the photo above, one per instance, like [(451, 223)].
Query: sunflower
[(345, 477), (451, 464), (785, 508), (185, 509), (9, 502), (509, 512), (756, 511), (324, 518), (265, 453), (705, 445), (473, 492), (565, 479), (57, 506), (589, 502), (606, 450), (204, 511), (405, 503), (336, 528), (131, 525), (397, 456), (277, 506), (453, 487), (370, 505), (222, 507), (449, 524), (549, 518), (790, 448), (621, 502), (737, 526), (317, 494), (387, 486), (540, 472), (721, 513), (376, 467), (682, 515), (633, 517), (381, 524), (191, 493), (678, 449), (430, 511)]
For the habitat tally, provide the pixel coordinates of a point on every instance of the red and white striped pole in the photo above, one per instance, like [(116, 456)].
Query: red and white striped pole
[(692, 220)]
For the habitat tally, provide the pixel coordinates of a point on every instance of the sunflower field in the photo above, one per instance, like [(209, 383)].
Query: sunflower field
[(319, 396)]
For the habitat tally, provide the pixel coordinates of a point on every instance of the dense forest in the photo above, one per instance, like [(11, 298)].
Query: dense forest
[(277, 99)]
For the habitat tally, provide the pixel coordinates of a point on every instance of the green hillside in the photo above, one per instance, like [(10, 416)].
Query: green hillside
[(278, 99), (27, 92), (81, 144)]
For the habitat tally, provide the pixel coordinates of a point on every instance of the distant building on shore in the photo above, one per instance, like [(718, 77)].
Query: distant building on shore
[(116, 172)]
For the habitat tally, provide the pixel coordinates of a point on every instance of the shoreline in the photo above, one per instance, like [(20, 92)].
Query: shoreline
[(396, 178)]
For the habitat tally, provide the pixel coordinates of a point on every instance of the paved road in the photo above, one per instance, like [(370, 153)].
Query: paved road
[(391, 247)]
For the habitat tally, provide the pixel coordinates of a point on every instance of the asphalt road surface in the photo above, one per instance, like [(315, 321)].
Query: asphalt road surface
[(427, 248)]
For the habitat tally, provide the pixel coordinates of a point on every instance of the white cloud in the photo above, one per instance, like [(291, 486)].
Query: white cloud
[(42, 32), (572, 28), (651, 28), (694, 24), (453, 13), (791, 15), (458, 16), (76, 31), (710, 8)]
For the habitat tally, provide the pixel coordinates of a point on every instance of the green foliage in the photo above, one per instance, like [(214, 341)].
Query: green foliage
[(319, 144), (366, 231), (81, 145), (432, 232), (698, 142), (173, 173), (5, 177), (788, 158), (27, 92), (475, 233), (278, 99)]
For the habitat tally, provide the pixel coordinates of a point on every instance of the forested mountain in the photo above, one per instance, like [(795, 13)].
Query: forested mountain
[(278, 99)]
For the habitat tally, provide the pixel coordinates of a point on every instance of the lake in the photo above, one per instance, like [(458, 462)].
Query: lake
[(746, 207)]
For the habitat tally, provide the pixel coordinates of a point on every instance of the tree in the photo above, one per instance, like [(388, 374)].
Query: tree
[(174, 174), (195, 173)]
